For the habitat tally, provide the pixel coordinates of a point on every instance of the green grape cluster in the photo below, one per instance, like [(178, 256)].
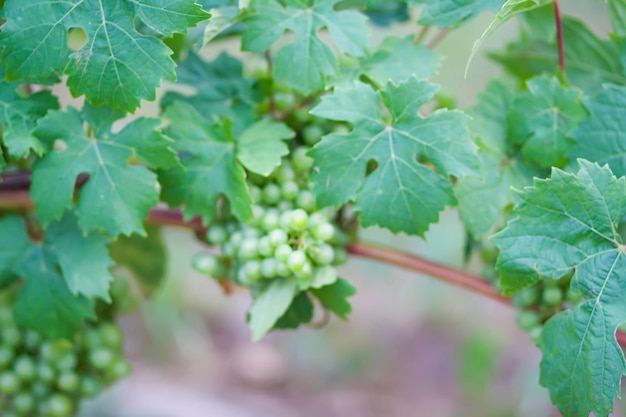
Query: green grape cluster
[(541, 301), (288, 237), (40, 377)]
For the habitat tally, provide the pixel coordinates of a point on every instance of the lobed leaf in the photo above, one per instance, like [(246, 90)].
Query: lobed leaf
[(306, 63), (118, 66), (582, 362), (401, 194), (453, 13)]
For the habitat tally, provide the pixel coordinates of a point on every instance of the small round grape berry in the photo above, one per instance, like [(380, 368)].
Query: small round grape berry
[(552, 296), (271, 194), (249, 249), (283, 252), (299, 219), (289, 190), (277, 237), (300, 161), (217, 234), (306, 201), (324, 232), (296, 260)]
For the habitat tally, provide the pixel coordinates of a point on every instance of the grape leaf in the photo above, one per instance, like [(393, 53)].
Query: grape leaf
[(13, 245), (261, 146), (582, 362), (395, 60), (299, 312), (453, 13), (591, 61), (401, 194), (45, 304), (210, 167), (117, 196), (509, 9), (221, 89), (334, 297), (542, 119), (82, 259), (145, 257), (304, 64), (602, 137), (118, 66), (18, 115), (270, 305)]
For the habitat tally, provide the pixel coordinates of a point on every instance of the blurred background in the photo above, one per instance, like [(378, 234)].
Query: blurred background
[(413, 347)]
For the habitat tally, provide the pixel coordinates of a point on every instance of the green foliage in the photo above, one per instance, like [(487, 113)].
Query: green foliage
[(304, 64), (582, 362), (401, 194), (284, 151), (118, 66)]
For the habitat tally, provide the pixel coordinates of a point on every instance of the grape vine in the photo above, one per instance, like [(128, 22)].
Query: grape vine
[(277, 156)]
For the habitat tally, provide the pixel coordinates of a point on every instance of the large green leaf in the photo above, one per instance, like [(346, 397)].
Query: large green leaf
[(213, 161), (569, 223), (602, 137), (118, 66), (334, 297), (270, 305), (541, 120), (117, 196), (305, 63), (401, 194), (18, 115), (453, 13)]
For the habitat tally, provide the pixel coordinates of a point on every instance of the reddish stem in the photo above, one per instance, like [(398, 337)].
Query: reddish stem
[(415, 263), (559, 35), (438, 38)]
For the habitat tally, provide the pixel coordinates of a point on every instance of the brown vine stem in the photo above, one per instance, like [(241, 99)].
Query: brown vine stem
[(18, 199), (559, 35), (438, 38)]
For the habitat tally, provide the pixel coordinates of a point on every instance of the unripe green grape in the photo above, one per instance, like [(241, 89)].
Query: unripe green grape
[(112, 335), (526, 297), (9, 383), (67, 361), (6, 356), (299, 219), (249, 231), (10, 336), (305, 272), (322, 254), (300, 161), (324, 232), (89, 387), (119, 369), (277, 237), (306, 201), (45, 373), (40, 389), (228, 250), (282, 270), (235, 239), (100, 358), (285, 173), (252, 270), (341, 256), (283, 252), (271, 220), (216, 234), (32, 340), (296, 260), (255, 193), (92, 338), (552, 296), (25, 369), (68, 382), (59, 405), (316, 218), (207, 264), (248, 249), (285, 220), (265, 247), (312, 134), (573, 295), (526, 320), (289, 190), (257, 214), (268, 268), (271, 194), (23, 404), (535, 334), (285, 206)]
